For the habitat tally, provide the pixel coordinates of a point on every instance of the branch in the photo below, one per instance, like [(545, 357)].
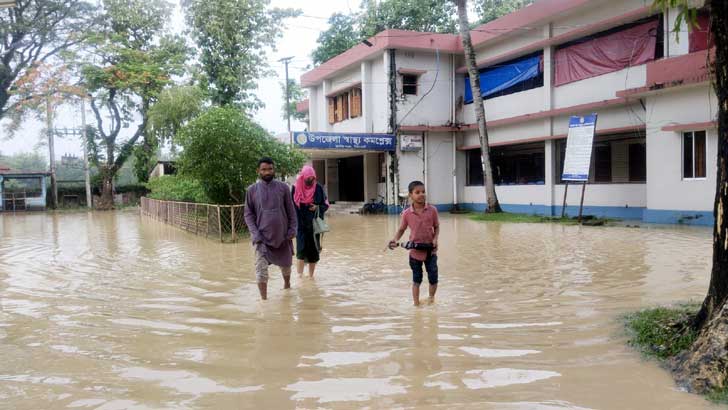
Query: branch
[(97, 114)]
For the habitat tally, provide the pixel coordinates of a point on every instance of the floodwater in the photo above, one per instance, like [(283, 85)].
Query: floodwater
[(110, 311)]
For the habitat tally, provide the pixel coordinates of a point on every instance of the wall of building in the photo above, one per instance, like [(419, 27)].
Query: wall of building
[(431, 105), (371, 176), (599, 88), (439, 168), (527, 102), (594, 11), (667, 190), (379, 91)]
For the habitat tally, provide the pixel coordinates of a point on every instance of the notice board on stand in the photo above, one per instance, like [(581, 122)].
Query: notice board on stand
[(578, 155)]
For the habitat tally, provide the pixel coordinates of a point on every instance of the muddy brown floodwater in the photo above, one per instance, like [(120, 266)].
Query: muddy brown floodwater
[(110, 311)]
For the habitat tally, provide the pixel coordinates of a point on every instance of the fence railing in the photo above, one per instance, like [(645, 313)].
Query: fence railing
[(223, 222)]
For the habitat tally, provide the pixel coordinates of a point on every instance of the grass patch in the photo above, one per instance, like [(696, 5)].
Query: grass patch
[(662, 332), (524, 218)]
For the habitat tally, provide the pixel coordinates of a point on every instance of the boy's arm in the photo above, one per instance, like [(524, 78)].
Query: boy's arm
[(399, 233)]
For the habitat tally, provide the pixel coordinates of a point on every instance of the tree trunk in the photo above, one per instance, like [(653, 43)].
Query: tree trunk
[(490, 195), (705, 366), (106, 202)]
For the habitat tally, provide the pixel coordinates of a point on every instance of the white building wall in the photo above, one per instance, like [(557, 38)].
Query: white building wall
[(595, 11), (379, 91), (667, 190), (439, 168), (524, 102), (431, 105), (599, 88), (524, 37)]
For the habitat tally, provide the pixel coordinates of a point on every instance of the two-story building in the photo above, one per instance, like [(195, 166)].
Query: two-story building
[(655, 140)]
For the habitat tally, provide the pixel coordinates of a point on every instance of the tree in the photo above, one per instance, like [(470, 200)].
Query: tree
[(436, 16), (132, 62), (490, 195), (703, 367), (221, 150), (232, 36), (34, 32), (339, 37), (489, 10), (297, 94)]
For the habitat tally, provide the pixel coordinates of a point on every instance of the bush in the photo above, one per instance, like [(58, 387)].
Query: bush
[(222, 148), (176, 188)]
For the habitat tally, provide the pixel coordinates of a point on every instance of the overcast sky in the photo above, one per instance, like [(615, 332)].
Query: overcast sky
[(298, 41)]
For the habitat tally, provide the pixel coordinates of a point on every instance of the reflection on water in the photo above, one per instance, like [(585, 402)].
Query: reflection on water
[(101, 311)]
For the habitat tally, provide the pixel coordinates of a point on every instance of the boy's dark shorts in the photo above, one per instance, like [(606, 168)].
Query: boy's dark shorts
[(431, 266)]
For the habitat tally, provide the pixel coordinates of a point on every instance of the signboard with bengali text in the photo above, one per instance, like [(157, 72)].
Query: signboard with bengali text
[(343, 141), (579, 148)]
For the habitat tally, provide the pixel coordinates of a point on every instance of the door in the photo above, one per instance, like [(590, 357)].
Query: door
[(351, 179)]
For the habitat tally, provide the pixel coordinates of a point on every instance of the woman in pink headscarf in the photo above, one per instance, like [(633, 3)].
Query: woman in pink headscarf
[(308, 198)]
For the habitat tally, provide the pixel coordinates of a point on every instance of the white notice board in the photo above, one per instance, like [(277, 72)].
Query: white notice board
[(579, 148)]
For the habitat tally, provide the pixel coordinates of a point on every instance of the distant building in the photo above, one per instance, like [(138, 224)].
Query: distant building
[(22, 190), (162, 168)]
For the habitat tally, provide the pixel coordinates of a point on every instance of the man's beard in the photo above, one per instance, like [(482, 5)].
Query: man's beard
[(267, 178)]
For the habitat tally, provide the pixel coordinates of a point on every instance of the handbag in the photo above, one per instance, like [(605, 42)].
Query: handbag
[(319, 225)]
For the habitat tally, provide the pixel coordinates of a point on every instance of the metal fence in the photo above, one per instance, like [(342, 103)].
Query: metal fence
[(223, 222)]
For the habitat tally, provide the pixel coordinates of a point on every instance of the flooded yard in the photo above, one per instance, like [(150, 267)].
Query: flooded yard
[(102, 311)]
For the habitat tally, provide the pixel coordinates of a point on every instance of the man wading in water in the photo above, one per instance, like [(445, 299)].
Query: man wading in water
[(271, 219)]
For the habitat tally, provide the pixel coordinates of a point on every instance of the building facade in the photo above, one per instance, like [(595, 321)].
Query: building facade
[(656, 137)]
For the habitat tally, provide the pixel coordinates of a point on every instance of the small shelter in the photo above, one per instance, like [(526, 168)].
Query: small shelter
[(22, 190)]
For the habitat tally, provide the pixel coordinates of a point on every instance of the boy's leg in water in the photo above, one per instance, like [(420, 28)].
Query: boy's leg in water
[(432, 276), (416, 279)]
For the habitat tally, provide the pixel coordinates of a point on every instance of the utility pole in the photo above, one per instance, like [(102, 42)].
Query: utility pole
[(87, 175), (285, 61), (52, 152)]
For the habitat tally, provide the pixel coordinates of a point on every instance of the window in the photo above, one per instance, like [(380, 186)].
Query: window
[(694, 154), (522, 164), (637, 162), (616, 159), (700, 37), (344, 106), (409, 84), (474, 170), (509, 77), (603, 163)]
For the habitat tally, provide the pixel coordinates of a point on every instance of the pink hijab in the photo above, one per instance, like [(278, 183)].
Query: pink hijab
[(304, 194)]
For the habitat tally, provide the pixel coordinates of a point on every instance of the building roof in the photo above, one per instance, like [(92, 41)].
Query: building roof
[(537, 13), (5, 171), (387, 39)]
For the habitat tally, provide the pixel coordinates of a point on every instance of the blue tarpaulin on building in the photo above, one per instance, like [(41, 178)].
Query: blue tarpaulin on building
[(504, 76)]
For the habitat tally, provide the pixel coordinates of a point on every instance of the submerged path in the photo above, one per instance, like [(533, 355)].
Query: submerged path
[(101, 311)]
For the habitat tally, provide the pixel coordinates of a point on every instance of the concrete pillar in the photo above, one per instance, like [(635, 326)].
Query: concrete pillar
[(366, 96), (549, 175), (324, 125), (314, 109)]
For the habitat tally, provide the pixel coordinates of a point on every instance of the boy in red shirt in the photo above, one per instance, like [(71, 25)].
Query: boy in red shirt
[(424, 225)]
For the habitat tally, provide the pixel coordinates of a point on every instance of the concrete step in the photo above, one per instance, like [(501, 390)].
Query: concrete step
[(345, 208)]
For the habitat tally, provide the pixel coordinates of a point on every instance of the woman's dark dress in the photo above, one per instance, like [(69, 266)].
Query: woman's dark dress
[(306, 246)]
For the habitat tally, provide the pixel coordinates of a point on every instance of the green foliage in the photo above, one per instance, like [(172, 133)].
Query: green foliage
[(687, 13), (419, 15), (662, 332), (221, 150), (25, 161), (297, 94), (175, 106), (232, 37), (38, 31), (144, 160), (339, 37), (489, 10), (176, 188)]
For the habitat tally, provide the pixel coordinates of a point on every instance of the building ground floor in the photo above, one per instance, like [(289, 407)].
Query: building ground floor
[(653, 160)]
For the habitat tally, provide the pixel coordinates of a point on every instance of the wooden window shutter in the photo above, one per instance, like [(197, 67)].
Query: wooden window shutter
[(355, 102), (332, 111), (345, 101)]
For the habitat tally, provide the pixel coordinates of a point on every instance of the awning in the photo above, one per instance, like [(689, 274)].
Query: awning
[(503, 76), (340, 141)]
